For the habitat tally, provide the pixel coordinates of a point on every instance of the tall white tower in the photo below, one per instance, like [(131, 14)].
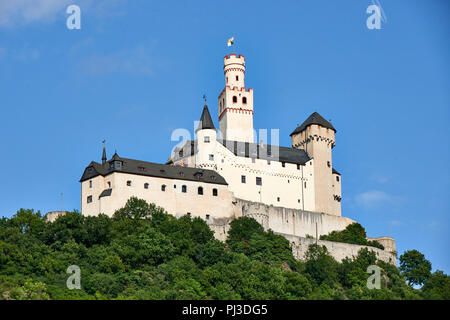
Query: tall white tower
[(235, 102)]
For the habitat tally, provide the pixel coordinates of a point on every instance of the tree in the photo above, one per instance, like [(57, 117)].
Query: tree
[(437, 286), (414, 267)]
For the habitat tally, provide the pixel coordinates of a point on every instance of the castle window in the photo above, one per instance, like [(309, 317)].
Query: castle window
[(283, 164), (163, 187), (207, 217), (211, 157), (200, 190), (89, 199), (184, 189), (337, 178), (237, 78), (129, 183), (305, 184), (145, 185), (298, 200), (215, 192), (328, 164), (258, 181), (244, 100), (234, 99), (180, 153), (189, 214), (206, 139), (227, 79), (109, 184), (90, 183), (174, 186), (278, 199), (243, 179), (298, 167)]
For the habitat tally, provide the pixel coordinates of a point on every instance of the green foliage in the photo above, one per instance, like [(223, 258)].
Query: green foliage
[(437, 286), (415, 267), (145, 253), (353, 233)]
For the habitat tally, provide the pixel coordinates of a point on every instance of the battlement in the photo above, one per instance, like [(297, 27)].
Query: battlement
[(234, 59), (235, 88)]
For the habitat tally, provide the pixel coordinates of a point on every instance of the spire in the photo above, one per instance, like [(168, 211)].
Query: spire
[(104, 153), (314, 118), (205, 119)]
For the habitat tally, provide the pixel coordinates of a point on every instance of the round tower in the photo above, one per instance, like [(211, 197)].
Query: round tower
[(235, 102), (317, 137), (234, 70)]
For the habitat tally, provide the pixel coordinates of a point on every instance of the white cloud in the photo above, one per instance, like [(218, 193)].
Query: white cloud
[(23, 12), (374, 198), (20, 12), (134, 61), (379, 178)]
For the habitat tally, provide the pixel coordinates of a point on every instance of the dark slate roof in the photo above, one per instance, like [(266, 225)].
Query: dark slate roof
[(105, 193), (334, 171), (151, 169), (205, 120), (315, 118), (267, 152)]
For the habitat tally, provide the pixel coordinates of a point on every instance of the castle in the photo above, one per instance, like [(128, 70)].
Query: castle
[(224, 174)]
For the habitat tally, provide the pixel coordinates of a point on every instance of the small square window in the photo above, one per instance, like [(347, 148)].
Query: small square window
[(163, 187), (258, 181), (207, 217), (146, 186), (243, 179), (129, 183), (89, 199), (206, 139), (211, 157)]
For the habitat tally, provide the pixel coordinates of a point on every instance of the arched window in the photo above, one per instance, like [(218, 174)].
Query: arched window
[(234, 99), (163, 187), (200, 190), (184, 189), (215, 192), (145, 185), (237, 78), (244, 100)]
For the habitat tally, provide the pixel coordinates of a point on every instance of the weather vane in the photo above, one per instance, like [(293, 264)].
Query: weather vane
[(204, 98)]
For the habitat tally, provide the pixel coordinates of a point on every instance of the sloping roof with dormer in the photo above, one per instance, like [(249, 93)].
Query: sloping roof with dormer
[(267, 152), (151, 169)]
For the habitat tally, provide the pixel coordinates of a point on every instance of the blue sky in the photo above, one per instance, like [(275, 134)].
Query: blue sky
[(137, 70)]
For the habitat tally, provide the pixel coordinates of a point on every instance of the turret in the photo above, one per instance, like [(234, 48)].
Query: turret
[(317, 137), (206, 139)]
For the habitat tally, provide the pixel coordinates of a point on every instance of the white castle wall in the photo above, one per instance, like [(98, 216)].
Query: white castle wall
[(290, 221), (337, 250)]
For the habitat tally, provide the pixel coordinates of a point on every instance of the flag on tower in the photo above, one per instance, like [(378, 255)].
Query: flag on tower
[(230, 41)]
